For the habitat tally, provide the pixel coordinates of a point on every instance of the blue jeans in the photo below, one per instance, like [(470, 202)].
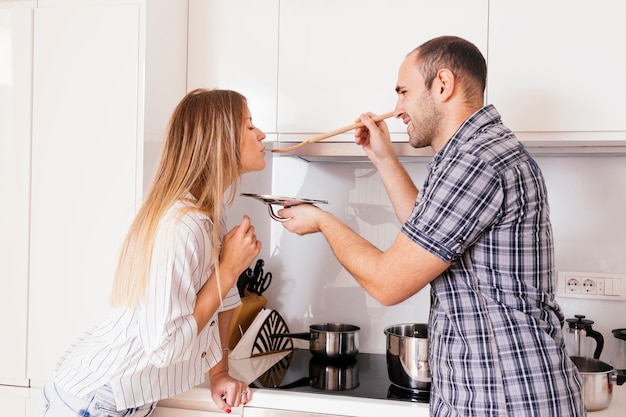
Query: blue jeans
[(58, 403)]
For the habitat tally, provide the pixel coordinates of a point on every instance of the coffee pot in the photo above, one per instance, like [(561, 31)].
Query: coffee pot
[(581, 339), (620, 334)]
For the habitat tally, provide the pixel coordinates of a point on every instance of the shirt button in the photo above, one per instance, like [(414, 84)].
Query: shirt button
[(212, 323), (203, 354)]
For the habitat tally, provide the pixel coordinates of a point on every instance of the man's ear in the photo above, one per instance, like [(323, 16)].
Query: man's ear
[(445, 83)]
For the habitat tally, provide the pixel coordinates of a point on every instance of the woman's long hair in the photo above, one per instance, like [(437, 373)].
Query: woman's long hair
[(201, 156)]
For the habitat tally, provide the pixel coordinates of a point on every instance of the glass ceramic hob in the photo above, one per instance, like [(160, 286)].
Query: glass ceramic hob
[(364, 376)]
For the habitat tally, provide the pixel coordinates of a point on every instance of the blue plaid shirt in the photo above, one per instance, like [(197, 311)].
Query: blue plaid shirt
[(496, 346)]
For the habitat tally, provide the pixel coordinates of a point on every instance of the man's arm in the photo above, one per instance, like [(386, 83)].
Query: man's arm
[(391, 276)]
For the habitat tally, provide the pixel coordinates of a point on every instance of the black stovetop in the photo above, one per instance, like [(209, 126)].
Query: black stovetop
[(366, 377)]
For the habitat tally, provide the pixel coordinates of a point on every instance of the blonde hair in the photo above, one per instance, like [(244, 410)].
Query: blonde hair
[(201, 156)]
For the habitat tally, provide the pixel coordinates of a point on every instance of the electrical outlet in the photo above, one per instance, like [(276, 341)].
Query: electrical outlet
[(592, 285), (589, 286), (572, 285)]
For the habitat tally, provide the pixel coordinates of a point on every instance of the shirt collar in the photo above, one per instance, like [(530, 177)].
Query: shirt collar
[(483, 117)]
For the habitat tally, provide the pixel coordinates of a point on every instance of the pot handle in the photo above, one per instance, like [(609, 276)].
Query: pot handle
[(620, 376), (304, 335), (276, 216)]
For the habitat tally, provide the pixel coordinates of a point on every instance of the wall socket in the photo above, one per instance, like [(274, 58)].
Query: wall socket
[(592, 285)]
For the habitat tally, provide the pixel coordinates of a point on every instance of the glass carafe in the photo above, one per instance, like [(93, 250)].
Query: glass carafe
[(581, 339), (620, 362)]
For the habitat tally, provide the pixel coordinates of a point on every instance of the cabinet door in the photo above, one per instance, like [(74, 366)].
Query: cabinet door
[(558, 65), (85, 168), (15, 109), (341, 58), (233, 44)]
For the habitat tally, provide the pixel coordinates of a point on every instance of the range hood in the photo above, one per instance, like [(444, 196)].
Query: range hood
[(348, 152)]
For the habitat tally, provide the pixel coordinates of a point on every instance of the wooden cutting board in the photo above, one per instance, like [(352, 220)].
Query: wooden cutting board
[(244, 315)]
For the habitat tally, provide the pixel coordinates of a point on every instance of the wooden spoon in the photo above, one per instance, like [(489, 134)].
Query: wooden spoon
[(332, 133)]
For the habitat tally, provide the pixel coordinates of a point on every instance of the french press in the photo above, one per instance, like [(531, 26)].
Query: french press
[(620, 334), (578, 336)]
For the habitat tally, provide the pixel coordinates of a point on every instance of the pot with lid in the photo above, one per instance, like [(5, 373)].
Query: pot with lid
[(581, 339)]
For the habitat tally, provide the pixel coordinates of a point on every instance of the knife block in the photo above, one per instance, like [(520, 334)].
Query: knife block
[(244, 315)]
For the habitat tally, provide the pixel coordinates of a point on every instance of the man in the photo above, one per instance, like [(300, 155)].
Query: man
[(479, 232)]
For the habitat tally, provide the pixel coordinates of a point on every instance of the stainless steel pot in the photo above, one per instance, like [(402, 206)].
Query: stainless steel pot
[(407, 356), (333, 341), (598, 378)]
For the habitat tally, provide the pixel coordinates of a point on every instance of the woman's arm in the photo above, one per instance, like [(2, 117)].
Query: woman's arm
[(226, 391), (239, 248)]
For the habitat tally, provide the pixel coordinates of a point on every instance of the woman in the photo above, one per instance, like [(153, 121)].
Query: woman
[(174, 287)]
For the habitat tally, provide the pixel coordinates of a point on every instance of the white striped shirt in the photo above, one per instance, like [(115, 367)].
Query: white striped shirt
[(153, 351)]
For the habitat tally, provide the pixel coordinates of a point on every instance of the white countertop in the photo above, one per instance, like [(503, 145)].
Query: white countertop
[(199, 398)]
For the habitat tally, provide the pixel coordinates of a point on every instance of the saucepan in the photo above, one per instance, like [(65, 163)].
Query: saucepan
[(281, 201), (598, 378), (334, 341)]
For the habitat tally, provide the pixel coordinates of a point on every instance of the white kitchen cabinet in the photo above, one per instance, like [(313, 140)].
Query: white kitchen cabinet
[(76, 71), (338, 59), (15, 92), (233, 44), (559, 66), (86, 168)]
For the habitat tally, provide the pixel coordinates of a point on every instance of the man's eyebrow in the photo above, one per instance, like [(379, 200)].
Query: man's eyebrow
[(398, 88)]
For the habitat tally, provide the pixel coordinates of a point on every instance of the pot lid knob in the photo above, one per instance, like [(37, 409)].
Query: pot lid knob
[(579, 322)]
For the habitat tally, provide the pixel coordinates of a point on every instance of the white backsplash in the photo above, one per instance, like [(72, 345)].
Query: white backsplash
[(588, 207)]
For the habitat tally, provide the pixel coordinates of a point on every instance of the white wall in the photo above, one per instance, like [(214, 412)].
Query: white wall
[(588, 202)]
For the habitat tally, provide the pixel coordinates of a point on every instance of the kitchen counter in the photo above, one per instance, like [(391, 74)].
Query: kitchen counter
[(199, 398)]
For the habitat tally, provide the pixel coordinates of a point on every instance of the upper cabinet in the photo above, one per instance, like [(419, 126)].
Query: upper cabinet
[(555, 70), (338, 59), (16, 27), (233, 44), (559, 67)]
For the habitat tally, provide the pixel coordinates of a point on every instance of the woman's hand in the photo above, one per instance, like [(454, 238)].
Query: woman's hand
[(228, 392), (239, 248)]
